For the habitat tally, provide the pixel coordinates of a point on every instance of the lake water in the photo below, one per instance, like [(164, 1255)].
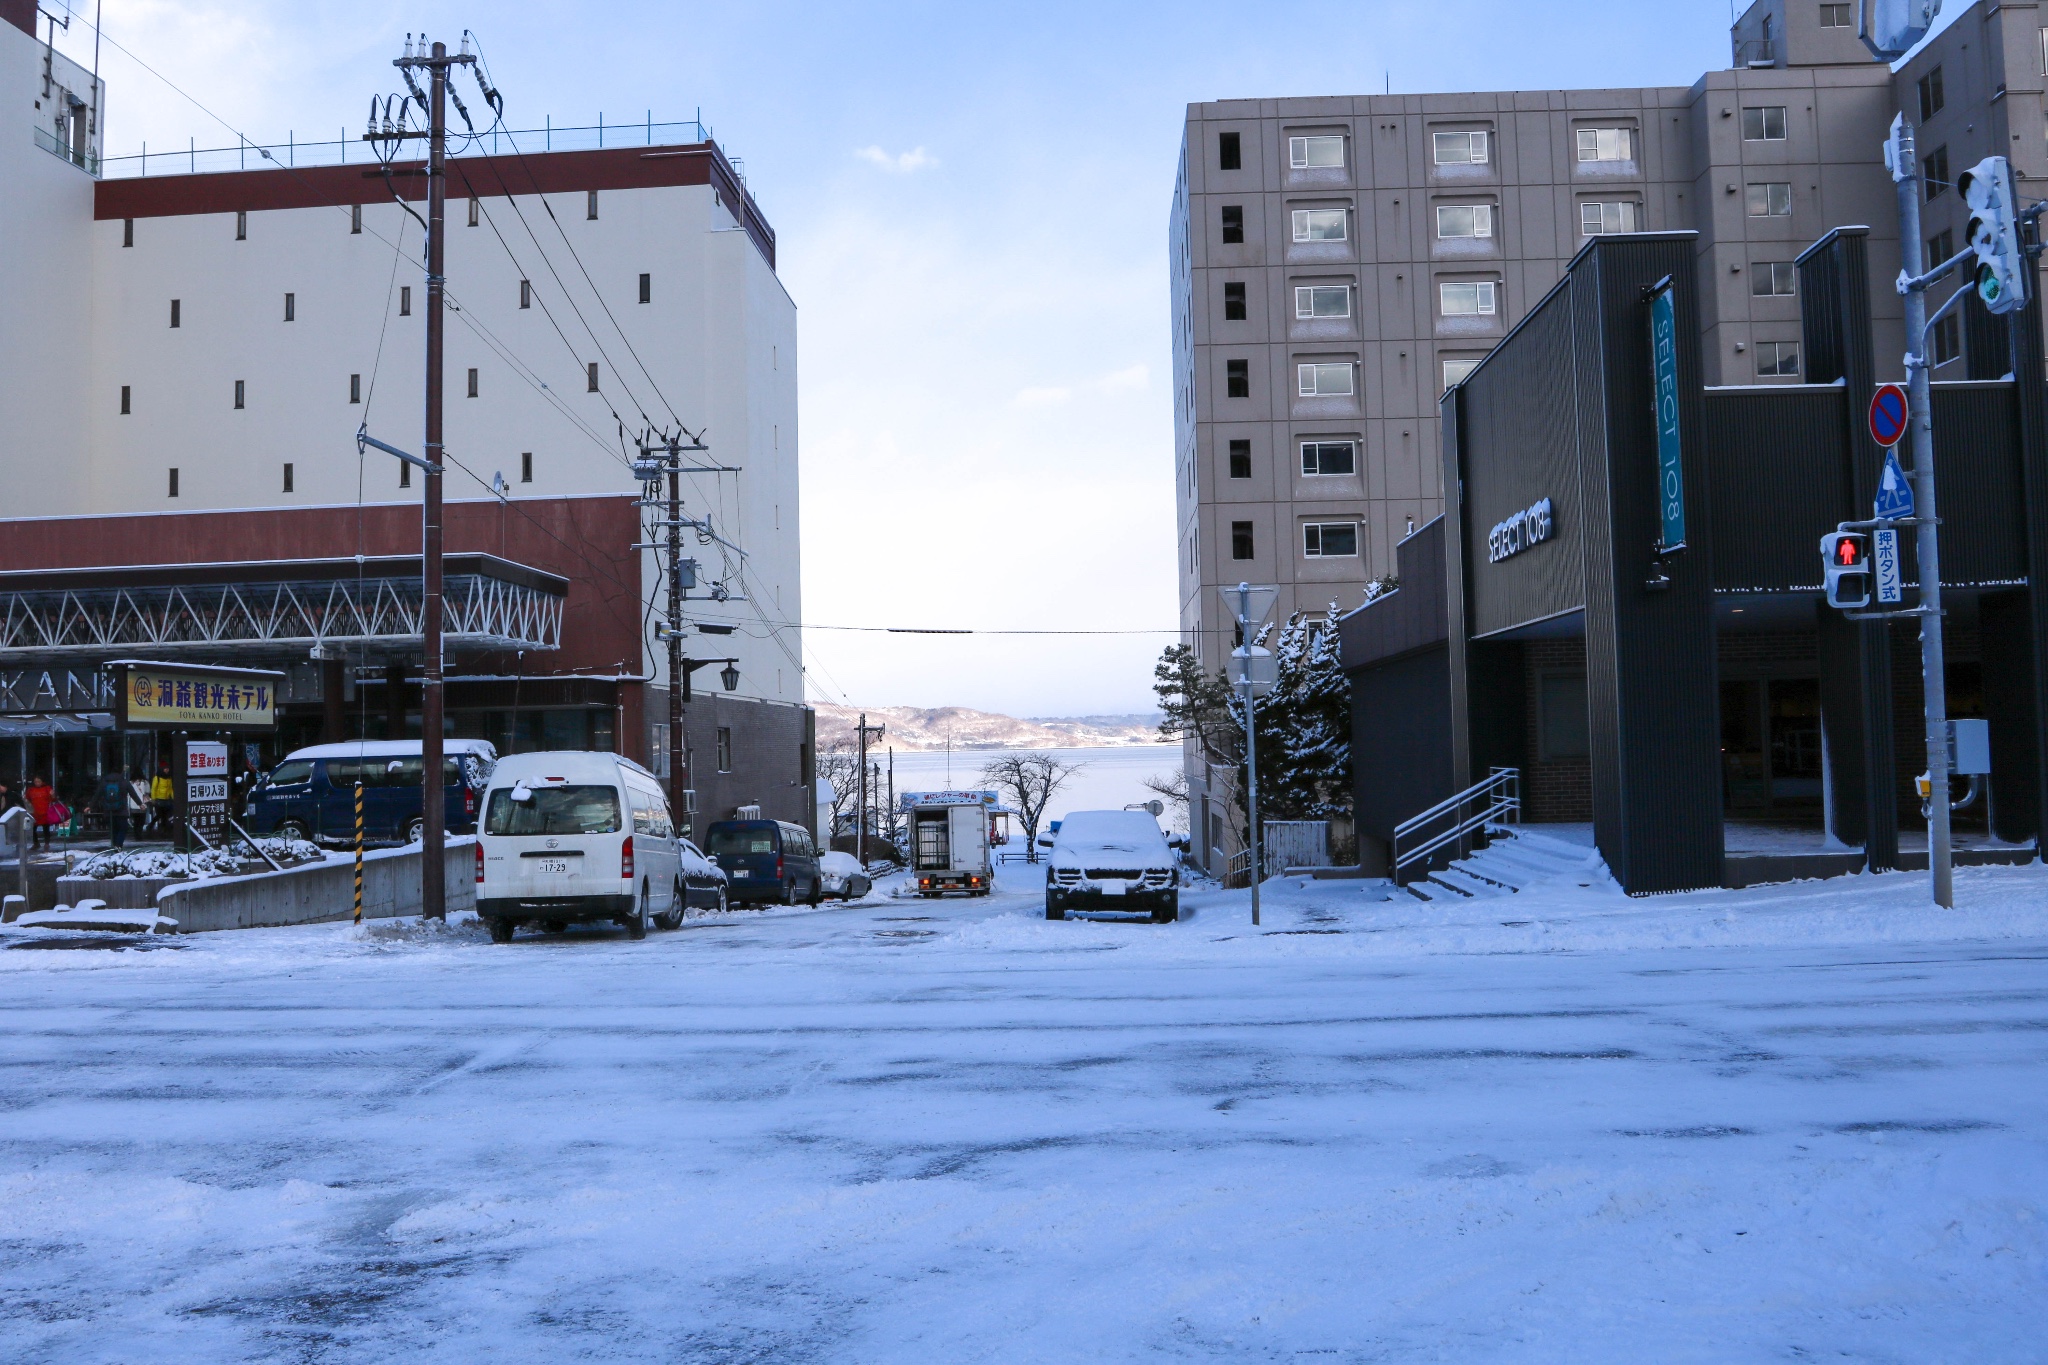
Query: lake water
[(1108, 779)]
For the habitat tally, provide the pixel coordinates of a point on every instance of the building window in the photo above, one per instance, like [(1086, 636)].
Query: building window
[(1237, 379), (241, 225), (725, 748), (526, 293), (526, 466), (1770, 278), (1233, 223), (241, 392), (1772, 200), (1330, 540), (174, 481), (472, 381), (1315, 153), (1322, 459), (1240, 458), (1606, 144), (405, 300), (1948, 340), (1460, 149), (1464, 220), (1940, 247), (288, 476), (1322, 380), (1240, 540), (355, 218), (1322, 301), (590, 212), (291, 307), (1229, 154), (1777, 358), (1466, 300), (1561, 729), (1935, 165), (1596, 219), (355, 388), (1457, 371), (127, 232), (177, 312), (1766, 124), (1233, 301), (592, 376), (125, 409), (1838, 15), (646, 287), (1931, 97), (1320, 225), (474, 204)]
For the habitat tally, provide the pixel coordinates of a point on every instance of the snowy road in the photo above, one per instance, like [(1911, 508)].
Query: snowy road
[(1726, 1127)]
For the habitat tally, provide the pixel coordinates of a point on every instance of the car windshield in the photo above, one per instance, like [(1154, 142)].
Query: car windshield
[(291, 774), (554, 810), (726, 843)]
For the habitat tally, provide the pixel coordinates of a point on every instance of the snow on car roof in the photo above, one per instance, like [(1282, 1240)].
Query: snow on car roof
[(565, 764), (1133, 831), (391, 748)]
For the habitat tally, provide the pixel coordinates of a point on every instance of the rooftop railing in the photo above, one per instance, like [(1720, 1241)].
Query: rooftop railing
[(350, 149)]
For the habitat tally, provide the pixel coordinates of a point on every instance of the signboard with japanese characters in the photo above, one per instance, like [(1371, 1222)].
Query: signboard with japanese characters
[(153, 696), (204, 798)]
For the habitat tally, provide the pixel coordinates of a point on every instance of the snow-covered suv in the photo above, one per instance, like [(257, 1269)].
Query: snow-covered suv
[(1111, 860)]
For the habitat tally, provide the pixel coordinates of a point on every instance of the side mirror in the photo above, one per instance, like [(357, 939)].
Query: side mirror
[(1177, 842), (1045, 843)]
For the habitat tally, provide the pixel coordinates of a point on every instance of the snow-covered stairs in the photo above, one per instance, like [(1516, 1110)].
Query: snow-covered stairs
[(1515, 858)]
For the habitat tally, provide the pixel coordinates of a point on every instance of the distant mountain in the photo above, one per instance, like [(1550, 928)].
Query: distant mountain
[(917, 729)]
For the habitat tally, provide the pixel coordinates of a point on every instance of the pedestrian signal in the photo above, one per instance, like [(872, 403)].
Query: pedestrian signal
[(1846, 557)]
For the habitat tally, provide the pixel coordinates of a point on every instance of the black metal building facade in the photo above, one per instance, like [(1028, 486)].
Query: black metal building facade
[(1629, 676)]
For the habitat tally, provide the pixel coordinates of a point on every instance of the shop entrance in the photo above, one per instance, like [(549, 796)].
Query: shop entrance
[(1770, 748)]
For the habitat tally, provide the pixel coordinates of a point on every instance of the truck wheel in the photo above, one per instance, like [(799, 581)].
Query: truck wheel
[(636, 924), (789, 892), (1167, 913), (1055, 908), (501, 929), (296, 829), (672, 918), (415, 830), (817, 890)]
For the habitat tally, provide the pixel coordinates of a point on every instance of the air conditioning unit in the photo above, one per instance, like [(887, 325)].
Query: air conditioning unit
[(747, 813)]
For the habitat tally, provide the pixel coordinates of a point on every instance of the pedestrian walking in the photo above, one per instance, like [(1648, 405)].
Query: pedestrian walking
[(138, 803), (112, 802), (161, 797), (42, 806)]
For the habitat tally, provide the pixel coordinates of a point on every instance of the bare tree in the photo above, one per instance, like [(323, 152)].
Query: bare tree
[(840, 766), (1029, 781), (1173, 787)]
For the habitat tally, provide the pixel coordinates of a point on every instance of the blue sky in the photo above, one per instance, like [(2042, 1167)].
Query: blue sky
[(971, 204)]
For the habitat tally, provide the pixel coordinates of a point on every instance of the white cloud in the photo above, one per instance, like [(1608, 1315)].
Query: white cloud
[(1043, 398), (903, 163), (1134, 377)]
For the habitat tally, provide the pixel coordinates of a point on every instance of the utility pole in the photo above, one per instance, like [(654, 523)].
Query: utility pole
[(860, 805), (678, 779)]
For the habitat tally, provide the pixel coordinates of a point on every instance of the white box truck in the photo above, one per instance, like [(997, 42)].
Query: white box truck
[(949, 835)]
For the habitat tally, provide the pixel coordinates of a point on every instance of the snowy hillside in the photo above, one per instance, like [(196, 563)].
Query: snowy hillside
[(914, 729)]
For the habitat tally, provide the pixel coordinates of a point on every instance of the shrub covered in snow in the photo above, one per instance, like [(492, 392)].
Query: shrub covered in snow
[(231, 861)]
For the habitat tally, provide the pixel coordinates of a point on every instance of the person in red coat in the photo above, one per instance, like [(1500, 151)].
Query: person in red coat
[(42, 804)]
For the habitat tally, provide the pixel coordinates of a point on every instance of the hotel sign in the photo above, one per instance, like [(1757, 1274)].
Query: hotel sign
[(151, 696), (1670, 455), (1531, 526)]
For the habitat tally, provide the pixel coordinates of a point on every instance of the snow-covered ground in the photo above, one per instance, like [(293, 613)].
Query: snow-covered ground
[(1793, 1123)]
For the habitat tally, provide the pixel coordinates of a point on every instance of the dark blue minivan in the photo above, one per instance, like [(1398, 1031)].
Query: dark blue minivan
[(311, 795), (766, 860)]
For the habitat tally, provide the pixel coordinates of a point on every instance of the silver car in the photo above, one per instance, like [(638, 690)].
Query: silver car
[(844, 877)]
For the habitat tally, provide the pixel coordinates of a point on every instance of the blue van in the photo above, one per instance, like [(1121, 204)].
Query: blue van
[(766, 860), (312, 794)]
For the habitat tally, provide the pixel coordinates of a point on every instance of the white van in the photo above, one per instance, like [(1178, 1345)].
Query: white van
[(575, 837)]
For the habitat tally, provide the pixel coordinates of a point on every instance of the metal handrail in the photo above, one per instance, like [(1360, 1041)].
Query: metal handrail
[(1501, 793)]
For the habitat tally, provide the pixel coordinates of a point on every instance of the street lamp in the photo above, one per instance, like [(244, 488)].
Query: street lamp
[(730, 676), (1253, 671)]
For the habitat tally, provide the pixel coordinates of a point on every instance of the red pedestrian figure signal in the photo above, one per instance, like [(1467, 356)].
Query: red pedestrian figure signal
[(1845, 555), (1888, 410)]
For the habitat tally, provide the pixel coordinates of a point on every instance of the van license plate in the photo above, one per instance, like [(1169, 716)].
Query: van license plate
[(558, 865)]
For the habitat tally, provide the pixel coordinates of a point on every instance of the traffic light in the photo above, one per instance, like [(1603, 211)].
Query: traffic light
[(1846, 556), (1994, 234)]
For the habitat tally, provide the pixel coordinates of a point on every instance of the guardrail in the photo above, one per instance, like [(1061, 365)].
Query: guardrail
[(1496, 800)]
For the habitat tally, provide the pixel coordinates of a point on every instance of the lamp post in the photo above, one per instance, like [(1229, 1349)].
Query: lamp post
[(1254, 671)]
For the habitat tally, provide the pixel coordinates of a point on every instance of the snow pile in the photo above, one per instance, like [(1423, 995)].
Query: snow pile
[(233, 860), (94, 914)]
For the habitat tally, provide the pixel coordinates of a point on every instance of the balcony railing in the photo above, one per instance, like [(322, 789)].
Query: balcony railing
[(57, 146), (350, 149)]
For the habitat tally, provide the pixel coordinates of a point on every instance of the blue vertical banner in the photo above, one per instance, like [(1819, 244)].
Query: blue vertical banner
[(1670, 455)]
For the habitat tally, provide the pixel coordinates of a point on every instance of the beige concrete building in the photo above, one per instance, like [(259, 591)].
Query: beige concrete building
[(1338, 262)]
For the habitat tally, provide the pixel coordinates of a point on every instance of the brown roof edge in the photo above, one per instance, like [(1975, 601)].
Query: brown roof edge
[(21, 14)]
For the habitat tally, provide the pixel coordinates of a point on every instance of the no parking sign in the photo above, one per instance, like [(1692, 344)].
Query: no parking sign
[(1888, 411)]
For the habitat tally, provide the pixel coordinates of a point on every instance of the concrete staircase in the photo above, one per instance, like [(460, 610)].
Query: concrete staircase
[(1515, 858)]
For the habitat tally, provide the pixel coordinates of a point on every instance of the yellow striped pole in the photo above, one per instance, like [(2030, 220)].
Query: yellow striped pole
[(359, 853)]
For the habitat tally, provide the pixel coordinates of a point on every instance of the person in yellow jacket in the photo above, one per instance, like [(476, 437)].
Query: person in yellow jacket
[(162, 797)]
